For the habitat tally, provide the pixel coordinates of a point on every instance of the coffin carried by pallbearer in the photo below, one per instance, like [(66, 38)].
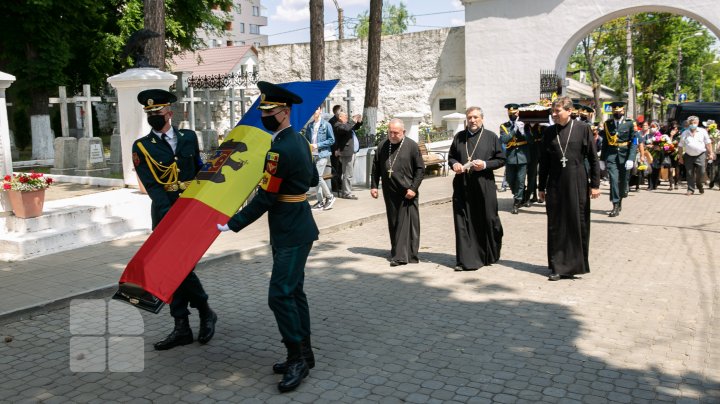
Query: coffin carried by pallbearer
[(225, 181)]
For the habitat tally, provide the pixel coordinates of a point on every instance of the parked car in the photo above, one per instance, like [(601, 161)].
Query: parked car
[(703, 110)]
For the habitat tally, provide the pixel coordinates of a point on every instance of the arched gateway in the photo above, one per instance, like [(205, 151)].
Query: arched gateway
[(509, 42)]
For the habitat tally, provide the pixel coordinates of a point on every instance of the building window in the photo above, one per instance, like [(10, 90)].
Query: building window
[(229, 43), (447, 104), (228, 25), (242, 27), (256, 11), (254, 29), (257, 44)]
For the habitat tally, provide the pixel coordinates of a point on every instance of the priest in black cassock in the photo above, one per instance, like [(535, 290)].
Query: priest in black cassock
[(567, 186), (400, 166), (474, 155)]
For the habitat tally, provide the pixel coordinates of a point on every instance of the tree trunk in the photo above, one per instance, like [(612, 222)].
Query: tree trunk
[(155, 21), (317, 40), (594, 77), (372, 83)]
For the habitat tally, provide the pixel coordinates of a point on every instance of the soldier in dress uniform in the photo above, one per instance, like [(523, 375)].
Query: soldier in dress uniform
[(289, 173), (534, 143), (618, 154), (515, 136), (586, 114), (575, 111), (166, 160)]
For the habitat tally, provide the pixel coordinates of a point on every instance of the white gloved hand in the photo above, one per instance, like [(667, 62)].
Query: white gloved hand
[(222, 227), (602, 165), (520, 126), (629, 164)]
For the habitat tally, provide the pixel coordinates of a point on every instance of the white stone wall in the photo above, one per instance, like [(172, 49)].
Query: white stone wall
[(416, 70), (508, 43)]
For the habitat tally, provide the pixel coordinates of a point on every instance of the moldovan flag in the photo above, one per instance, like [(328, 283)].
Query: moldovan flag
[(226, 180)]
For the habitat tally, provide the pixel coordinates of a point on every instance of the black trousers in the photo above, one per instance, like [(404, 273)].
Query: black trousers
[(190, 292)]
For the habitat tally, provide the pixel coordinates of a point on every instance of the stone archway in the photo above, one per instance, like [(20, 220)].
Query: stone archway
[(508, 42)]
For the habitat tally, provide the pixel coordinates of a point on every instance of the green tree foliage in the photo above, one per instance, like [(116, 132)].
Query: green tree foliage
[(395, 20), (656, 37), (49, 43)]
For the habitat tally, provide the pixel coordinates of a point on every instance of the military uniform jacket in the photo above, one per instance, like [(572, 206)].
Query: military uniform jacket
[(618, 142), (153, 175), (517, 142), (289, 173)]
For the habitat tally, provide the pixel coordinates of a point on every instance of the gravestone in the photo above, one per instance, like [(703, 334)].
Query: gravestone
[(14, 152), (412, 124), (65, 146), (90, 154), (208, 137), (91, 158), (66, 156), (454, 122), (115, 152)]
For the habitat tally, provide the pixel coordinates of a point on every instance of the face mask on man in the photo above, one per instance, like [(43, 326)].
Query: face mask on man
[(513, 118), (617, 115), (692, 127), (270, 122), (156, 122), (573, 115)]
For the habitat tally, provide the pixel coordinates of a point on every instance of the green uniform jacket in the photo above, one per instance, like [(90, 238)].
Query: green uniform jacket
[(187, 157), (289, 170), (619, 149), (517, 143)]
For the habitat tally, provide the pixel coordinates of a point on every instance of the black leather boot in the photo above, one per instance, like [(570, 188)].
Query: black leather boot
[(297, 369), (615, 210), (620, 206), (181, 335), (307, 353), (515, 208), (208, 318)]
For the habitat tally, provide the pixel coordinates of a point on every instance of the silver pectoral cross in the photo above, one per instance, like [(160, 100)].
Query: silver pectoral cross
[(564, 161), (390, 171)]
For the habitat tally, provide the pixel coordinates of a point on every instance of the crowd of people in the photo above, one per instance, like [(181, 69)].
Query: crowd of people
[(559, 164)]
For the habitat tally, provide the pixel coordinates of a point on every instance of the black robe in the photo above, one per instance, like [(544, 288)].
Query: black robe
[(403, 214), (567, 195), (478, 231)]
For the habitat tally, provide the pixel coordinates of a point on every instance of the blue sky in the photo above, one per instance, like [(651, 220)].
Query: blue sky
[(289, 20)]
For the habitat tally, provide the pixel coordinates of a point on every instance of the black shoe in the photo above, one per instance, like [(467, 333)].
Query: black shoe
[(351, 196), (394, 263), (554, 277), (615, 211), (534, 199), (207, 326), (296, 371), (459, 268), (515, 209), (281, 367), (180, 335), (701, 190), (527, 204)]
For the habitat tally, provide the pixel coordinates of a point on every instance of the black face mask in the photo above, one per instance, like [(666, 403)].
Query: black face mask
[(157, 122), (573, 116), (270, 123), (513, 118), (617, 115), (583, 118)]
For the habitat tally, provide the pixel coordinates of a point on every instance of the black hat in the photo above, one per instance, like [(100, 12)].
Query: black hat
[(617, 105), (524, 105), (155, 99), (577, 106), (512, 107), (274, 96), (587, 109)]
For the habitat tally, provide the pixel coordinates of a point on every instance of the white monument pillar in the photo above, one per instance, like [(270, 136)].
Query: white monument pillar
[(454, 122), (132, 121), (412, 124), (5, 157)]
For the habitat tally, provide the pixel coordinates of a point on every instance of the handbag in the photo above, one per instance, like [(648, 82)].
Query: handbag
[(138, 297)]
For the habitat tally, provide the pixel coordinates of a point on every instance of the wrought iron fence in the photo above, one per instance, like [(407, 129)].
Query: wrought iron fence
[(218, 81), (550, 83)]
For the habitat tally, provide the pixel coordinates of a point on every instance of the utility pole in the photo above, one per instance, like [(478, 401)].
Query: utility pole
[(317, 40), (340, 20), (630, 70)]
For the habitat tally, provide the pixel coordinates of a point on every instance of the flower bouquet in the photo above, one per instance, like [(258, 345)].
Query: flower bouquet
[(26, 182), (662, 148)]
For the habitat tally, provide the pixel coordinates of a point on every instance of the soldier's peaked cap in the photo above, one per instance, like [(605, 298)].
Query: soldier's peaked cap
[(587, 109), (155, 99), (617, 105), (512, 107), (274, 96)]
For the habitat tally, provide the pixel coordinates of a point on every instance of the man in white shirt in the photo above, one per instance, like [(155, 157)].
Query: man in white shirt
[(695, 146)]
